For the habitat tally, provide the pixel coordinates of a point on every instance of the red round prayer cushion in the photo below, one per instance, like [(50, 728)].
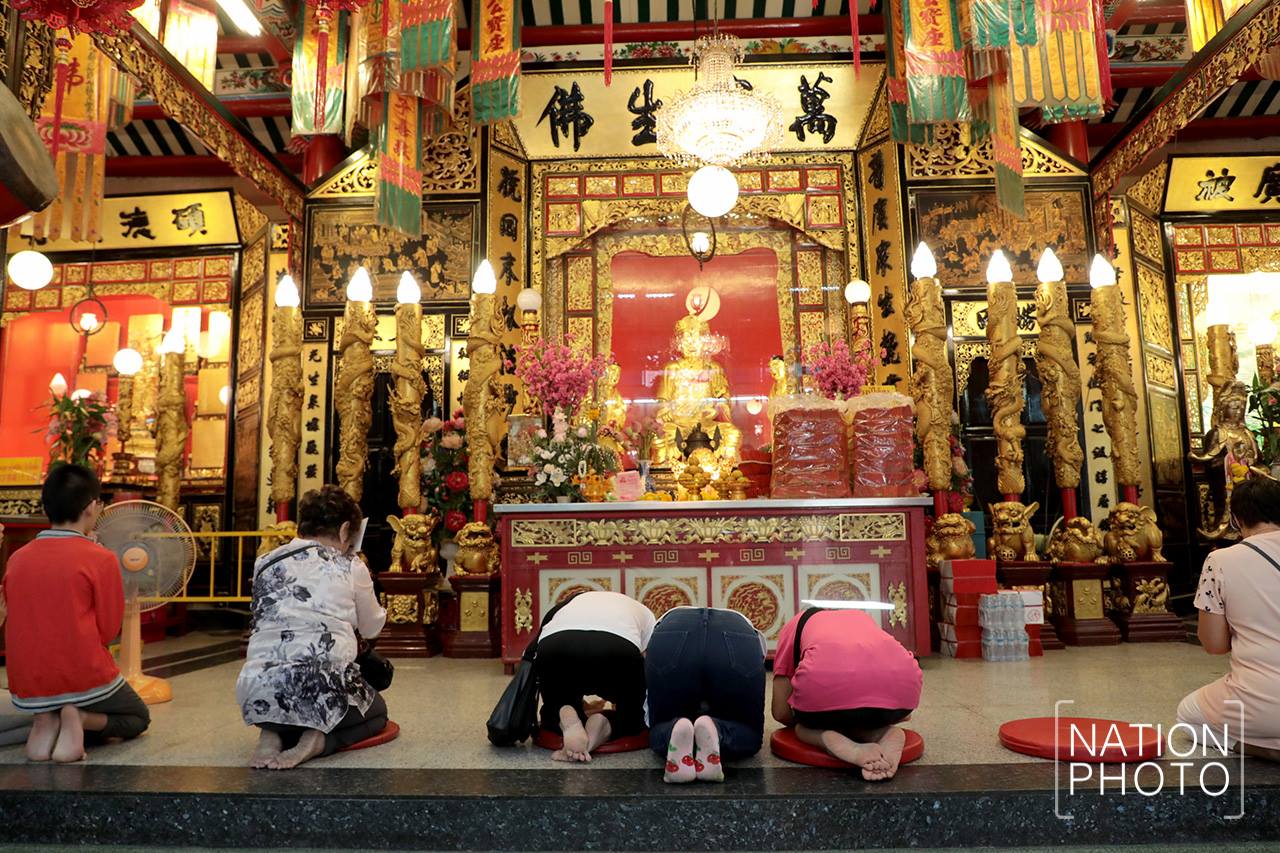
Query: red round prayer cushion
[(1081, 739), (630, 743), (784, 744), (389, 732)]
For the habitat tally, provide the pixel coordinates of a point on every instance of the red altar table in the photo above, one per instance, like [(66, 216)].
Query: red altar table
[(759, 557)]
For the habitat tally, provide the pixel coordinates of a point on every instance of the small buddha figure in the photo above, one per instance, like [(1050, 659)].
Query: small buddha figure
[(693, 392), (778, 370), (613, 409), (1229, 433)]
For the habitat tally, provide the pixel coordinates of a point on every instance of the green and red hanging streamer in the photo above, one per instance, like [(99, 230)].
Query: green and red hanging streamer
[(495, 60)]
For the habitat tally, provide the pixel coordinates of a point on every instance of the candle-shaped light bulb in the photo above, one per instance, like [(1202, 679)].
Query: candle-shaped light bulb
[(1050, 268), (58, 385), (998, 268), (127, 361), (922, 263), (408, 292), (484, 280), (700, 242), (360, 288), (1101, 272), (286, 295), (88, 322)]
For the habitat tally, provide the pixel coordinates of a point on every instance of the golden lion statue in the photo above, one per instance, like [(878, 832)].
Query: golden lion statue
[(477, 552), (1076, 540), (280, 533), (413, 548), (1011, 535), (1134, 536), (950, 539)]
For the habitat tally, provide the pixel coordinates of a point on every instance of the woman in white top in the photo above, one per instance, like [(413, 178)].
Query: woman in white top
[(300, 683), (1239, 603), (593, 646)]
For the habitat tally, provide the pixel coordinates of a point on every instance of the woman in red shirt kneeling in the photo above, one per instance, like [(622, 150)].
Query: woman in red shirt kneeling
[(844, 684)]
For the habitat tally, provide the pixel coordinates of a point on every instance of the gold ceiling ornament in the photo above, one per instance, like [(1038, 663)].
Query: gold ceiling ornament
[(1211, 75), (134, 53), (954, 155), (1148, 191), (719, 121), (248, 217)]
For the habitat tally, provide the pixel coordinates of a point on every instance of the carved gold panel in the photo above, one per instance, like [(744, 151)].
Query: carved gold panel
[(813, 328), (560, 187), (473, 609), (969, 318), (809, 273), (953, 155), (582, 332), (1087, 598), (1148, 191), (581, 284), (249, 354), (1161, 370), (706, 530), (1156, 322), (1146, 238)]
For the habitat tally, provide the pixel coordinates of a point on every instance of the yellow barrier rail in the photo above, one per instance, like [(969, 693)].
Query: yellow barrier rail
[(208, 560)]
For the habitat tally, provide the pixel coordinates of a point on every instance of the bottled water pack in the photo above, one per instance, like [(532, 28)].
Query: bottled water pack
[(1004, 631)]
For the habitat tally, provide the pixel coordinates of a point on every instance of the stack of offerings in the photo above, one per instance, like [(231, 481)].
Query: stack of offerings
[(1004, 626), (1033, 611), (962, 584)]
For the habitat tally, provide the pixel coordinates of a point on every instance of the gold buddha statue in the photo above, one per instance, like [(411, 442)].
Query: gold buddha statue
[(693, 392), (613, 408)]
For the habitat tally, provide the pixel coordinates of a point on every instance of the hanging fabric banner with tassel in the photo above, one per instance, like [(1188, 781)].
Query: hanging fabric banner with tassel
[(608, 42), (900, 125), (74, 129), (937, 86), (319, 70), (428, 59), (1006, 143), (398, 197), (856, 37), (495, 60), (1060, 75), (1000, 24), (380, 67)]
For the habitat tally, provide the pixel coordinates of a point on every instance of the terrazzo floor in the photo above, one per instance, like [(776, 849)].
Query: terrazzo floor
[(442, 704)]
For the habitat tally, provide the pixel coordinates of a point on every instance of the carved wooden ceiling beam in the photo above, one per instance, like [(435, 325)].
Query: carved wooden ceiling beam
[(186, 101), (1238, 46)]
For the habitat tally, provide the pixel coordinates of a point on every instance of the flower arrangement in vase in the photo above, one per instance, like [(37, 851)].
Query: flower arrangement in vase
[(79, 426), (445, 484), (838, 371), (565, 456), (556, 376)]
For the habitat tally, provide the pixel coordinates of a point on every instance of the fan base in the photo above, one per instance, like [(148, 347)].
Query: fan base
[(152, 690)]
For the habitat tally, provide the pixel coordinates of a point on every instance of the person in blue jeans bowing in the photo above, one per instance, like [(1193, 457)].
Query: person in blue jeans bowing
[(705, 671)]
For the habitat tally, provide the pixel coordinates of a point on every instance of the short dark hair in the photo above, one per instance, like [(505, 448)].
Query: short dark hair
[(322, 512), (68, 490), (1256, 501)]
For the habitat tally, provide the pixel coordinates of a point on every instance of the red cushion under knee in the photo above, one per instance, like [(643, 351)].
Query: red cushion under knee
[(389, 732), (785, 744), (630, 743)]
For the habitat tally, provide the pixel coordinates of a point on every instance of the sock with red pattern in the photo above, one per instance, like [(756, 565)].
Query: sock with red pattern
[(680, 766), (707, 741)]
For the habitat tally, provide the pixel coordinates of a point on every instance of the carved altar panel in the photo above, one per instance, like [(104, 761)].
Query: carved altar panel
[(842, 582), (556, 586), (662, 588), (764, 594)]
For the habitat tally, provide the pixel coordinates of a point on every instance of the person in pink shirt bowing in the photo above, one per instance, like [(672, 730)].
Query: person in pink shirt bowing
[(844, 684)]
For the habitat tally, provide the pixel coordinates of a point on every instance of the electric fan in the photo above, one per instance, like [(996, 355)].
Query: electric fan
[(157, 555)]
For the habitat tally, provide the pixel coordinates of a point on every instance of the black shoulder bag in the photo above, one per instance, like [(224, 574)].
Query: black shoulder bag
[(376, 670), (515, 717)]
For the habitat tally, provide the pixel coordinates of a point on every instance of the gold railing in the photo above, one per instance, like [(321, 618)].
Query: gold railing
[(202, 588)]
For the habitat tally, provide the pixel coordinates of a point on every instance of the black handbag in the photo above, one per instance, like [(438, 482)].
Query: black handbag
[(515, 717), (376, 670)]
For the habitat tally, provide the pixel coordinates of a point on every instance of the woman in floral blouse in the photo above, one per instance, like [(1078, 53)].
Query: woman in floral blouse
[(300, 683)]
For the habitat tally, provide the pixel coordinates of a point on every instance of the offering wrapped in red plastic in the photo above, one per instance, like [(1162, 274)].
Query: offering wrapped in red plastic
[(882, 446), (810, 449)]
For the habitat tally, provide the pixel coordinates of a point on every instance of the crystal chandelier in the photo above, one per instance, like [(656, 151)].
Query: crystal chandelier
[(721, 121)]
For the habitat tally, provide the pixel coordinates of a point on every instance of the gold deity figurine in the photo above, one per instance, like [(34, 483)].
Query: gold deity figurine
[(781, 381), (1228, 437), (694, 392), (613, 408)]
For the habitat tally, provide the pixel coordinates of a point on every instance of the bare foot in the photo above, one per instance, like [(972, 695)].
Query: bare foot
[(310, 745), (43, 735), (70, 745), (576, 742), (891, 743), (598, 728), (859, 754), (269, 747)]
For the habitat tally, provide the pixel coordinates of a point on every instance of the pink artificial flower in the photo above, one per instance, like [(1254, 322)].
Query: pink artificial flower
[(451, 441), (432, 424)]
